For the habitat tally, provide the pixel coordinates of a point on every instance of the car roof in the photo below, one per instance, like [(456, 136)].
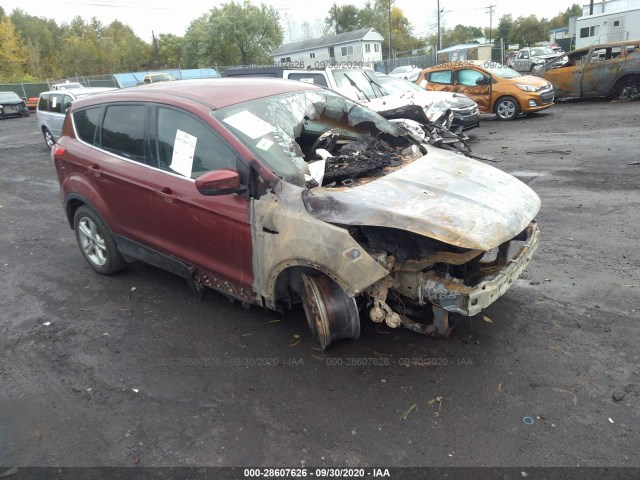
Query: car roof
[(605, 45), (79, 92), (214, 93)]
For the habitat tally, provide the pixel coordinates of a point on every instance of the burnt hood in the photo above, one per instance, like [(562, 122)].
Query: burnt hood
[(448, 197)]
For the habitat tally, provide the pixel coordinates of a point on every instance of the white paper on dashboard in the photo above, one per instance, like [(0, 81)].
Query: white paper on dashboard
[(247, 123), (183, 151), (316, 169), (264, 144)]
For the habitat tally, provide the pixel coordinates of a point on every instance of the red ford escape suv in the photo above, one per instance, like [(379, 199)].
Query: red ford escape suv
[(276, 192)]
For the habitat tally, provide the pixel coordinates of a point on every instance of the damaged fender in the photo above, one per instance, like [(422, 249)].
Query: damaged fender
[(285, 235)]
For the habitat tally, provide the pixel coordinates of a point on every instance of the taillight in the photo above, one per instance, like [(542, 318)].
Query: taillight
[(57, 150)]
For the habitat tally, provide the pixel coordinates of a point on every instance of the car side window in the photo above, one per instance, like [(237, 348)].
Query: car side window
[(468, 77), (66, 103), (189, 147), (43, 103), (86, 123), (55, 103), (123, 131), (441, 76)]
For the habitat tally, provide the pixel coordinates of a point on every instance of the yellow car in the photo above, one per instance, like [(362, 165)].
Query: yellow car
[(494, 87)]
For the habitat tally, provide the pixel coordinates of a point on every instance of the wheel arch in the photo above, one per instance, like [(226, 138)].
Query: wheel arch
[(285, 281), (621, 79), (73, 201)]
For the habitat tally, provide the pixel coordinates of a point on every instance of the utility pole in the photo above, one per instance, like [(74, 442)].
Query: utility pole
[(335, 16), (490, 12), (439, 34), (390, 30)]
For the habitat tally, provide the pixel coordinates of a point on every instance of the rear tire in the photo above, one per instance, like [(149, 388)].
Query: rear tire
[(48, 138), (507, 108), (96, 242), (624, 82)]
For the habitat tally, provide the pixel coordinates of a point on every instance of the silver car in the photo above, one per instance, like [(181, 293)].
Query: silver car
[(52, 108), (528, 58)]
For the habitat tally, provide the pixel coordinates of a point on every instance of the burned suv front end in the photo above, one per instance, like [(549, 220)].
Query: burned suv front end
[(367, 215)]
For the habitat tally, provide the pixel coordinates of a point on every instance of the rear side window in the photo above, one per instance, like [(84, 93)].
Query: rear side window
[(56, 103), (188, 147), (86, 122), (123, 131), (440, 76), (43, 103), (316, 78)]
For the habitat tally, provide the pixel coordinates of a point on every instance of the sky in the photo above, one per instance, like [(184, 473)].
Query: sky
[(174, 16)]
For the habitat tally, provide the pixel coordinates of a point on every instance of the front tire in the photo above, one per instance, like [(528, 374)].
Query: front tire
[(96, 242), (330, 312), (507, 108)]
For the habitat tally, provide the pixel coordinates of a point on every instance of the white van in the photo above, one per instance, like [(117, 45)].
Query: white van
[(52, 108)]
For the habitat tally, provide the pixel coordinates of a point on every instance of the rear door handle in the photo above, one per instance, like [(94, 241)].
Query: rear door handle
[(167, 194), (96, 170)]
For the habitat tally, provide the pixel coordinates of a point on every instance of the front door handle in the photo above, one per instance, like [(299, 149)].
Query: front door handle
[(167, 194)]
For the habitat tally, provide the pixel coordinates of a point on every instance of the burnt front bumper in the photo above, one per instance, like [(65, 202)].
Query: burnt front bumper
[(453, 295)]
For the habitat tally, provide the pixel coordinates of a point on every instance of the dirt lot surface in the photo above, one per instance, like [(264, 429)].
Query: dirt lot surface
[(130, 370)]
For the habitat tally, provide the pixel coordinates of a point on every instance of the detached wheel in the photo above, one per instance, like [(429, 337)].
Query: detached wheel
[(507, 108), (96, 242), (48, 138), (331, 313)]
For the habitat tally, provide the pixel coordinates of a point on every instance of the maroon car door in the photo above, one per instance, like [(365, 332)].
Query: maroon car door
[(211, 233)]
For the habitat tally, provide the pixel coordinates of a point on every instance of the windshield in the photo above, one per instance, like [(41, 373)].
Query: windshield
[(281, 130), (399, 85), (503, 72), (358, 84), (536, 52), (8, 96)]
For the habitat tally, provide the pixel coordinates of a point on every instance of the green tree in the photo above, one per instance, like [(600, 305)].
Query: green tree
[(170, 48), (234, 33), (562, 19), (121, 49), (250, 32), (505, 24), (195, 44), (461, 34), (526, 31), (344, 18), (42, 38), (13, 54)]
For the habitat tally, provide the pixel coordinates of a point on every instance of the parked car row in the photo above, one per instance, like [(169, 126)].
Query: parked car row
[(495, 88), (275, 192)]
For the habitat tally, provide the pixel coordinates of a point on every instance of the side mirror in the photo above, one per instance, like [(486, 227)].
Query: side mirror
[(482, 81), (219, 182)]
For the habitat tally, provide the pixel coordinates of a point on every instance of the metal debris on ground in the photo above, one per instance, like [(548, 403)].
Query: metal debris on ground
[(406, 413)]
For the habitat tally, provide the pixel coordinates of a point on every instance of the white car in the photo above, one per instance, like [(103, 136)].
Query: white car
[(407, 72)]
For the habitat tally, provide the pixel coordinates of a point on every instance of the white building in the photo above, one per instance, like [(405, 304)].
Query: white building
[(612, 21), (344, 48)]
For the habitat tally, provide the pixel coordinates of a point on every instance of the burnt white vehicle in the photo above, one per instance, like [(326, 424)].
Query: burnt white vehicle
[(276, 192)]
